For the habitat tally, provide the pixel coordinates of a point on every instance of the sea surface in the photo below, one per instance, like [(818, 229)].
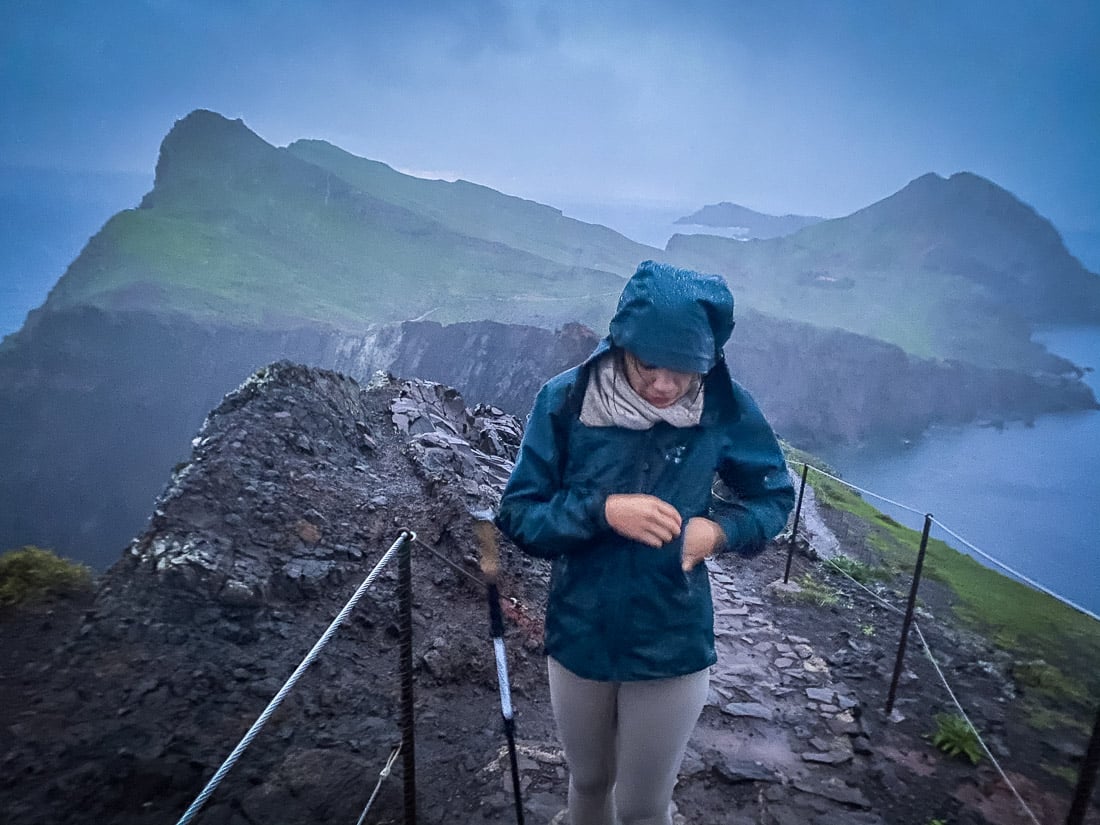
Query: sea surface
[(1029, 496)]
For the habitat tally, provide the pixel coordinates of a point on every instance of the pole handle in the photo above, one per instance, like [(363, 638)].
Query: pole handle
[(486, 533)]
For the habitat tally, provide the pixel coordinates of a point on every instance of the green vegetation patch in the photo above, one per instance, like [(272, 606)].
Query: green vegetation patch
[(812, 591), (955, 737), (857, 570), (1063, 772), (1048, 717), (1027, 622), (31, 574), (283, 242)]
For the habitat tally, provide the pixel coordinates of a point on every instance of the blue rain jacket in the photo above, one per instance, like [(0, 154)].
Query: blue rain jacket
[(619, 610)]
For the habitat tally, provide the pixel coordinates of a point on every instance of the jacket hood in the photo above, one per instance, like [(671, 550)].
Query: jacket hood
[(674, 318)]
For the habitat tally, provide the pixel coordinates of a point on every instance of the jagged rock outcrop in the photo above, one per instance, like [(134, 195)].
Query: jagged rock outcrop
[(297, 482)]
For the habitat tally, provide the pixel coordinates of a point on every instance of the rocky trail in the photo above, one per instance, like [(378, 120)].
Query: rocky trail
[(119, 708)]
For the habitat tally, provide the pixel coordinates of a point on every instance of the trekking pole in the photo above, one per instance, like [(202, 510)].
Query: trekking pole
[(490, 568)]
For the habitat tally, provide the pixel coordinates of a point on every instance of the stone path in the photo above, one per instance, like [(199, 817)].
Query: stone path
[(779, 740), (777, 717)]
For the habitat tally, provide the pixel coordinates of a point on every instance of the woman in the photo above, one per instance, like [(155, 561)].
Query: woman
[(613, 482)]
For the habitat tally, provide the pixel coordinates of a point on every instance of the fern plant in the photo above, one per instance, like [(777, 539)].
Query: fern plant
[(955, 737)]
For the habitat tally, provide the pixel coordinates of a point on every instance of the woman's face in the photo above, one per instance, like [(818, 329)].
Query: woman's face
[(659, 386)]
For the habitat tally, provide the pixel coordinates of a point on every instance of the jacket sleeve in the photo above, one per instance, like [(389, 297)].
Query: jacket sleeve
[(753, 467), (543, 517)]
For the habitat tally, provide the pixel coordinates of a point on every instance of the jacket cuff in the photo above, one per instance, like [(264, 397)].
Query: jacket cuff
[(733, 542), (597, 512)]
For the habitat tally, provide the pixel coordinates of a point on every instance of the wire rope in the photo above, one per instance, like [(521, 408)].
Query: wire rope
[(993, 560), (450, 563), (946, 685), (385, 772), (277, 700), (865, 492), (1015, 572)]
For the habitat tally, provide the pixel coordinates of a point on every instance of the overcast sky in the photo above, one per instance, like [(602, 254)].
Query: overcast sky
[(809, 107)]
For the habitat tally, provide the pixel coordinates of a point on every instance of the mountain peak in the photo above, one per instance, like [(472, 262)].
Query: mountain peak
[(968, 226), (959, 187), (963, 208), (203, 142)]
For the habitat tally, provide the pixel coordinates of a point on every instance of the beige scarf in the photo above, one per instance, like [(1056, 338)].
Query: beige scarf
[(610, 401)]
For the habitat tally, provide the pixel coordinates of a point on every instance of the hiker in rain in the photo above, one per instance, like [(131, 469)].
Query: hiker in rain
[(613, 482)]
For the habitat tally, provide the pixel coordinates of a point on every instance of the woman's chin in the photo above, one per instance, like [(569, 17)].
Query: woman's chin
[(662, 403)]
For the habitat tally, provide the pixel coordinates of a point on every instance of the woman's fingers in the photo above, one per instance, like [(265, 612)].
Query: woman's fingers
[(702, 538), (642, 517)]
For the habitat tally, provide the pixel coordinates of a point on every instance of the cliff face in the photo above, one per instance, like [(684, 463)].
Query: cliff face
[(823, 387), (97, 407)]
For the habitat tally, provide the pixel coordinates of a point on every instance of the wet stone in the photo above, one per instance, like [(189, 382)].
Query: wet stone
[(828, 758), (835, 789), (847, 702), (753, 710), (734, 770)]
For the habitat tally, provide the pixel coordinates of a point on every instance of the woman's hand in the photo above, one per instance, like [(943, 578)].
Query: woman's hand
[(702, 538), (642, 517)]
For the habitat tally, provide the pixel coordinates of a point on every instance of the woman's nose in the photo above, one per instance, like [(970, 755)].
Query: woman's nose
[(665, 381)]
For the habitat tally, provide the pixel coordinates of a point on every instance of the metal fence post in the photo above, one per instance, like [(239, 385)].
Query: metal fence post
[(794, 528), (908, 621), (1086, 780), (408, 739)]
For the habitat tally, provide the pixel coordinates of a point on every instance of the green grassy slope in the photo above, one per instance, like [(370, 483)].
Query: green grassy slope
[(236, 229), (480, 212), (1048, 636), (952, 268)]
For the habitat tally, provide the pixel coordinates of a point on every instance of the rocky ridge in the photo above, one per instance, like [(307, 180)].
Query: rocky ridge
[(297, 483)]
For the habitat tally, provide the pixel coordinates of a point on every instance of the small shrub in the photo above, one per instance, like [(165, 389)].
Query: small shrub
[(30, 574), (955, 737), (862, 573), (813, 591)]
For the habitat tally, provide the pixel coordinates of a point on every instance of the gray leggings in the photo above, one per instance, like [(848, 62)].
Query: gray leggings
[(624, 742)]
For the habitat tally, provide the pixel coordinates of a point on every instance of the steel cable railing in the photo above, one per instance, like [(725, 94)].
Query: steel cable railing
[(927, 648), (988, 557), (277, 700)]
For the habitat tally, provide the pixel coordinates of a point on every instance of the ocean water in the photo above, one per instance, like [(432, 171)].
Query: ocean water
[(1029, 496)]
